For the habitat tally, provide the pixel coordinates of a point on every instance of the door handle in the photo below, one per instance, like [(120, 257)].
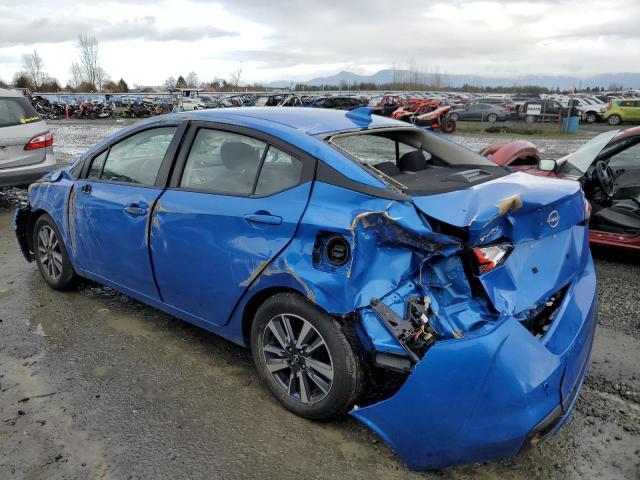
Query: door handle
[(135, 209), (86, 188), (263, 218)]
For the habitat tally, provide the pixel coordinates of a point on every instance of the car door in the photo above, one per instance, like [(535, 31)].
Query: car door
[(635, 111), (234, 203), (111, 205)]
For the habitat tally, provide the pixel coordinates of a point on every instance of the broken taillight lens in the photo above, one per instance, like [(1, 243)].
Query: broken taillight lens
[(40, 141), (490, 256)]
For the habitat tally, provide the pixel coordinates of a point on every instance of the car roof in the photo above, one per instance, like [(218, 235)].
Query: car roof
[(310, 121), (301, 127), (10, 93)]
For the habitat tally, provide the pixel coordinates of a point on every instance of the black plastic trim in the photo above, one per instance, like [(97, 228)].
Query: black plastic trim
[(327, 174)]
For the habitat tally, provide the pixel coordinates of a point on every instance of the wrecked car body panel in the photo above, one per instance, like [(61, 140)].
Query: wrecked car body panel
[(481, 398), (490, 359)]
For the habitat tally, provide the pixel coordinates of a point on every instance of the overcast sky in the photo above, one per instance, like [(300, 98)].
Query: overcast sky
[(146, 41)]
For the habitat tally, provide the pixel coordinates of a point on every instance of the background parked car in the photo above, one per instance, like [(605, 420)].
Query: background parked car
[(540, 110), (189, 104), (623, 111), (26, 145), (591, 110), (481, 112)]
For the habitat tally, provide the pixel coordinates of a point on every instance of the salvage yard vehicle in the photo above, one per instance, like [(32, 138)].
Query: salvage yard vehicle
[(26, 144), (591, 110), (481, 112), (622, 110), (540, 111), (372, 266), (430, 113), (607, 167)]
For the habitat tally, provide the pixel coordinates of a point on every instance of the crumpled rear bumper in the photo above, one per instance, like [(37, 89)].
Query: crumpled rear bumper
[(486, 398)]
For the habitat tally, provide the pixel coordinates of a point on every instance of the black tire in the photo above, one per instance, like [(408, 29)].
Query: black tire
[(530, 119), (615, 120), (591, 117), (53, 263), (493, 118), (292, 381), (454, 117), (448, 125)]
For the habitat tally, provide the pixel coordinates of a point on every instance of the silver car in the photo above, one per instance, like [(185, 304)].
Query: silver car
[(26, 144)]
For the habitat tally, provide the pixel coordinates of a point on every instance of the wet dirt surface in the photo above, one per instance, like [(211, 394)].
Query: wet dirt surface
[(96, 385)]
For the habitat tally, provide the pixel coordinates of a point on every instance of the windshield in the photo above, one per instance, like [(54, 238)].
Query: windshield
[(578, 162)]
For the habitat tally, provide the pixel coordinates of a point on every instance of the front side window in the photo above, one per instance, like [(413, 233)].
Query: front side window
[(627, 158), (136, 159), (222, 162), (97, 165)]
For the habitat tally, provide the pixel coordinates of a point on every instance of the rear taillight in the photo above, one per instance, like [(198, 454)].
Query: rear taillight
[(489, 257), (40, 141)]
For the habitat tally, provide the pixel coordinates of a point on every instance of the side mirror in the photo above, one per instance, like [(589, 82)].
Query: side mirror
[(547, 165)]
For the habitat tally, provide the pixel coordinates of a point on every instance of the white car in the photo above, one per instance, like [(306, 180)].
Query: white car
[(189, 104), (26, 144), (590, 109)]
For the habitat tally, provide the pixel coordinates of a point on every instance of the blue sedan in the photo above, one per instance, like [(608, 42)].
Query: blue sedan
[(372, 267)]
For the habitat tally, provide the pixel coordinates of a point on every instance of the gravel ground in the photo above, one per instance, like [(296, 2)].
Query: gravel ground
[(96, 385)]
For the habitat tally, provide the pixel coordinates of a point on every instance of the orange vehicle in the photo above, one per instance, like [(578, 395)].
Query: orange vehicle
[(430, 113)]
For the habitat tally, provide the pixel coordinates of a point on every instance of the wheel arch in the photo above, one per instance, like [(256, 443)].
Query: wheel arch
[(258, 298), (25, 221)]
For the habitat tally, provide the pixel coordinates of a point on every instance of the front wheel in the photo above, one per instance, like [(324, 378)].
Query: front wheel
[(51, 255), (590, 117), (448, 125), (530, 119), (454, 117), (493, 118), (304, 357), (615, 120)]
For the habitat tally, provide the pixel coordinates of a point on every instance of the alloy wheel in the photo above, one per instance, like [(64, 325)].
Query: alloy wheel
[(49, 252), (298, 358)]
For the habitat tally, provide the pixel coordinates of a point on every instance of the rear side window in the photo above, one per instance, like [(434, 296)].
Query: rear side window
[(136, 159), (16, 111), (223, 162), (280, 171)]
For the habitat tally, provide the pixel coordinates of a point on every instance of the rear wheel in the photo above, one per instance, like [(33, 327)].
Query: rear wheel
[(615, 120), (304, 357), (51, 255)]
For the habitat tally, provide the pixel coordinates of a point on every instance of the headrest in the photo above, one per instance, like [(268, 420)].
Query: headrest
[(412, 161), (238, 155)]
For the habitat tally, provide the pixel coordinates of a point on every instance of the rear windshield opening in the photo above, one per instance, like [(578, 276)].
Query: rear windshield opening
[(416, 161), (16, 111)]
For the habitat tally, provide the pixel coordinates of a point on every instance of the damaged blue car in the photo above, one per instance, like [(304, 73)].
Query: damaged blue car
[(372, 267)]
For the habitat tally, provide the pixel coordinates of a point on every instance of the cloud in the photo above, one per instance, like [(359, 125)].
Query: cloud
[(64, 29), (298, 38)]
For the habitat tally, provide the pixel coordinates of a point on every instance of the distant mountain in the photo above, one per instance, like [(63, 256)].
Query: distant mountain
[(628, 80)]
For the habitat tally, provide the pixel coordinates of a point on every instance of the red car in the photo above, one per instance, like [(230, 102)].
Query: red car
[(607, 167)]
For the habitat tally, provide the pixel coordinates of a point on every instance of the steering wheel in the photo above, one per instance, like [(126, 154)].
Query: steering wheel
[(604, 174)]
